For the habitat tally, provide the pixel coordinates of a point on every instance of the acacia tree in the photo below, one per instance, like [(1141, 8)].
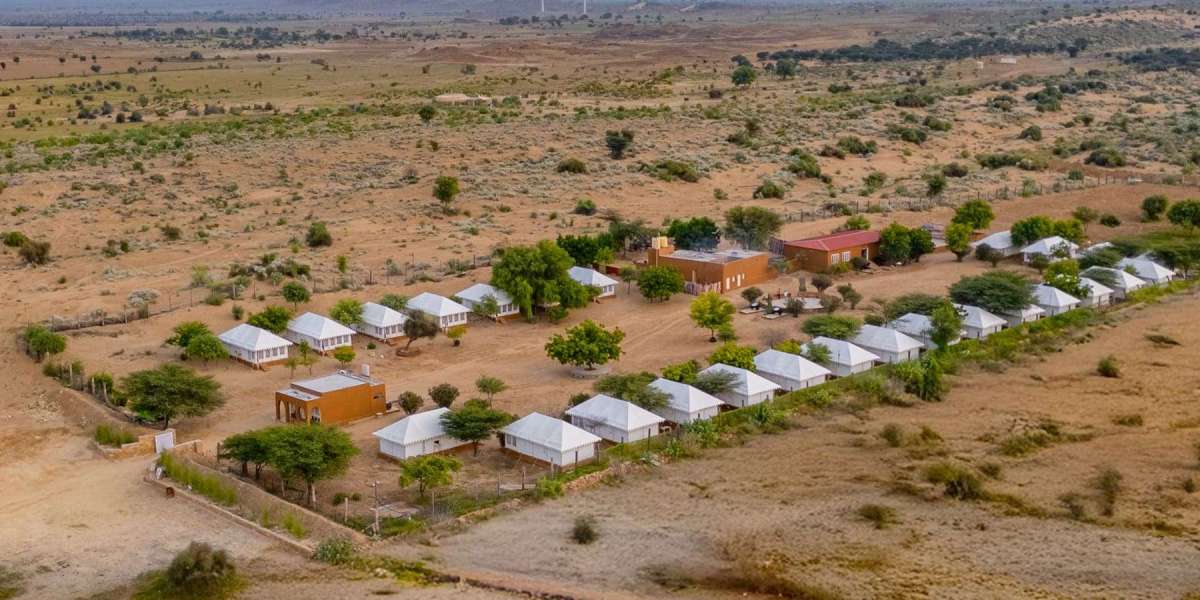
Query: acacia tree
[(170, 391), (445, 188), (490, 386), (184, 332), (832, 326), (295, 292), (712, 312), (428, 472), (994, 291), (249, 447), (659, 283), (311, 453), (419, 325), (474, 422), (751, 226), (586, 345), (410, 402)]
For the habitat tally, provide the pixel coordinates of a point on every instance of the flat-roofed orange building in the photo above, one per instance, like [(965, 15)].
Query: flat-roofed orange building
[(719, 271), (340, 397)]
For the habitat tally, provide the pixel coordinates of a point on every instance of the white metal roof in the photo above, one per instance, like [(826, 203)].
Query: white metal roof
[(253, 338), (1124, 280), (591, 277), (318, 326), (1095, 288), (747, 383), (684, 397), (1030, 311), (1146, 269), (1048, 295), (997, 241), (614, 412), (844, 353), (976, 317), (479, 291), (548, 432), (438, 306), (381, 316), (415, 428), (333, 382), (788, 365), (1050, 245), (912, 324), (882, 338)]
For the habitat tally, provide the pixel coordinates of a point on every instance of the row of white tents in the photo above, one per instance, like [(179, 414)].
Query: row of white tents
[(259, 347)]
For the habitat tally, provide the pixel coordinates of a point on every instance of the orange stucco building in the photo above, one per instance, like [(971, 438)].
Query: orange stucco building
[(337, 398), (819, 254), (712, 271)]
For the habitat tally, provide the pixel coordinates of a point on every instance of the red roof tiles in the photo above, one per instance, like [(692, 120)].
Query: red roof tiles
[(837, 241)]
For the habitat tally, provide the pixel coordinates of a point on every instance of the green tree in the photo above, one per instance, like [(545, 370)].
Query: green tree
[(818, 353), (659, 283), (633, 388), (743, 76), (394, 301), (586, 345), (206, 347), (976, 214), (946, 325), (935, 184), (1085, 215), (751, 294), (487, 307), (895, 244), (751, 226), (1153, 207), (311, 453), (683, 372), (994, 291), (428, 472), (618, 142), (410, 402), (169, 391), (1185, 213), (295, 292), (855, 223), (318, 235), (344, 355), (272, 318), (850, 295), (1064, 275), (988, 254), (249, 447), (474, 422), (1031, 229), (785, 69), (832, 326), (912, 302), (921, 242), (185, 331), (42, 342), (698, 233), (733, 355), (958, 239), (588, 250), (490, 386), (427, 112), (538, 276), (347, 311), (710, 311), (445, 188), (417, 326), (443, 394)]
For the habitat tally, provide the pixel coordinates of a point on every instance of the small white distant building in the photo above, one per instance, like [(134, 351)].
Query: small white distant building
[(254, 346), (1053, 300), (789, 371), (480, 292), (845, 359), (1123, 281), (1098, 294), (918, 327), (1001, 241), (889, 345), (1051, 247), (979, 323), (594, 278), (748, 388), (320, 332), (445, 311), (380, 322), (685, 403), (417, 435), (1147, 270), (549, 440), (614, 419), (1028, 314)]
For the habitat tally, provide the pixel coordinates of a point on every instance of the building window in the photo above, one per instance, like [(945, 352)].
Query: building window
[(846, 257), (833, 258)]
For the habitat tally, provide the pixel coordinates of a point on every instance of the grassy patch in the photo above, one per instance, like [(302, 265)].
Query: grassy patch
[(1044, 435), (878, 515), (292, 524), (107, 435), (11, 584), (959, 482), (209, 486), (1131, 420)]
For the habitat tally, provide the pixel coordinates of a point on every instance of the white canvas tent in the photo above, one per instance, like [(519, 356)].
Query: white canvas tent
[(478, 293), (1028, 314), (685, 403), (1051, 248), (919, 327), (889, 345), (979, 323), (254, 346), (380, 322), (747, 389), (549, 440), (416, 435), (1053, 300), (845, 359), (445, 311), (1098, 294), (322, 333), (789, 371), (614, 419), (1147, 270), (594, 278), (1122, 284), (1001, 241)]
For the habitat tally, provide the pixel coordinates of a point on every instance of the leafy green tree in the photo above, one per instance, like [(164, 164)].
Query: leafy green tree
[(822, 282), (633, 388), (185, 331), (988, 254), (913, 302), (347, 311), (751, 226), (411, 402), (318, 235), (588, 250), (427, 112), (698, 233), (994, 291), (714, 382), (1031, 229), (958, 240), (490, 386), (683, 372), (272, 318), (586, 345), (733, 355), (1069, 229), (487, 307), (751, 294), (1085, 215), (850, 295), (474, 422), (1153, 207), (935, 184), (428, 472), (710, 311), (394, 301), (538, 276), (417, 326), (785, 68), (1185, 213), (1064, 275), (855, 223), (311, 453), (445, 189), (42, 342), (170, 391), (946, 325), (832, 326), (443, 394), (618, 142), (249, 447), (344, 355), (206, 347), (744, 76), (818, 353), (976, 214), (295, 292), (659, 283), (895, 244)]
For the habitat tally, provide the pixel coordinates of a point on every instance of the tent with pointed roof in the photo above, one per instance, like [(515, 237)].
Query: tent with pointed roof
[(254, 346), (614, 419), (978, 323), (1147, 270), (1122, 283), (1028, 314), (445, 311), (479, 292), (594, 278), (685, 403), (1001, 241), (789, 371), (919, 327), (748, 388), (320, 332), (1053, 300), (416, 435), (1050, 247), (1098, 294), (549, 440), (845, 359), (889, 345), (380, 322)]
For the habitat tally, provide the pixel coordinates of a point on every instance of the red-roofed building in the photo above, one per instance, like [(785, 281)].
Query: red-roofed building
[(819, 254)]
